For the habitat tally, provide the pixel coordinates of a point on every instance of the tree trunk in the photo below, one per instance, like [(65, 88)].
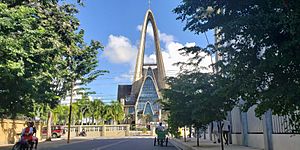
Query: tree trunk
[(190, 133), (221, 134), (70, 113), (93, 119), (198, 137), (49, 126), (184, 134), (81, 122)]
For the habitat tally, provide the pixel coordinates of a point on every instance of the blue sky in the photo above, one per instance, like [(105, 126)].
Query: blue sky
[(116, 23)]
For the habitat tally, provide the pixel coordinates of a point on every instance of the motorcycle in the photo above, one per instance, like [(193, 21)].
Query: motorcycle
[(23, 144), (82, 133)]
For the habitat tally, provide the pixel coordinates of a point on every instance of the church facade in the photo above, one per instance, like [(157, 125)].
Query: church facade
[(140, 98)]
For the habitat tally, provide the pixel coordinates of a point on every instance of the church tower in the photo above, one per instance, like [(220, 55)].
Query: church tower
[(149, 80)]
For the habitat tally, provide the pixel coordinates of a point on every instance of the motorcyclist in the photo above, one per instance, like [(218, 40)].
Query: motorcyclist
[(27, 134), (82, 133), (34, 138)]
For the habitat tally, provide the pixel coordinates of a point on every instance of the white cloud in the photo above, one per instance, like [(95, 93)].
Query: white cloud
[(124, 76), (119, 50), (166, 38), (122, 51)]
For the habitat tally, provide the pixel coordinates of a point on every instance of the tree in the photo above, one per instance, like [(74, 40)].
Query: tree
[(96, 109), (117, 112), (43, 55), (259, 43), (114, 112), (194, 100), (60, 115), (83, 107)]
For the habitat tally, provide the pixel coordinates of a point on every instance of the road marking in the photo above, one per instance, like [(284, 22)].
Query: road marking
[(110, 145)]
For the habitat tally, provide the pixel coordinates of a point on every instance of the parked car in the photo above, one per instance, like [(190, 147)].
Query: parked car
[(56, 131)]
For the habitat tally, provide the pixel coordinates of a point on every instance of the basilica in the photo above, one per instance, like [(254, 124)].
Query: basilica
[(140, 98)]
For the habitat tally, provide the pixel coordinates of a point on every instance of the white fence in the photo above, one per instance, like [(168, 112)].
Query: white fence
[(100, 130), (270, 132)]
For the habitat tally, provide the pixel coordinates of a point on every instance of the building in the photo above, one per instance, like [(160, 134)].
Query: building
[(78, 92), (140, 98)]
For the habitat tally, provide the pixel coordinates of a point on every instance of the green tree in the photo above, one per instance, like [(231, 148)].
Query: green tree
[(194, 99), (83, 108), (96, 110), (60, 114), (114, 112), (118, 114), (259, 43), (43, 54)]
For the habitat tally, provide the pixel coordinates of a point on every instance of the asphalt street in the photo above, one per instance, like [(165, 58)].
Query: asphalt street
[(103, 144)]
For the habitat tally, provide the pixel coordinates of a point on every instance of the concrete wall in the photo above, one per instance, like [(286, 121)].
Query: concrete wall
[(256, 133), (236, 122), (237, 139), (286, 142), (10, 128), (256, 140)]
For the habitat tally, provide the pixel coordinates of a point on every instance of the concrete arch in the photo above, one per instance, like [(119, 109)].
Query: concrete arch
[(149, 17), (148, 103)]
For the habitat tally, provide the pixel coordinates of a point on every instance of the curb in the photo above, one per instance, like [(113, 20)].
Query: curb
[(180, 145)]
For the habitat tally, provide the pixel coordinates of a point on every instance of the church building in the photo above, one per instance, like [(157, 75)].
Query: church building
[(140, 98)]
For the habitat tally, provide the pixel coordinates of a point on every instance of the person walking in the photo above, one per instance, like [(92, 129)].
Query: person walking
[(226, 129), (215, 131)]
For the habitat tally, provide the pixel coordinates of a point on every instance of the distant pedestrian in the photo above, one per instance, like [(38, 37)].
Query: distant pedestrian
[(226, 129), (216, 132)]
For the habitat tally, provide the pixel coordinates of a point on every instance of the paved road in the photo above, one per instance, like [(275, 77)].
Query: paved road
[(105, 144)]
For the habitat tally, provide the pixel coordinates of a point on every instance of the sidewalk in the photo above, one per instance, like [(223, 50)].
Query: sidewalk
[(191, 144)]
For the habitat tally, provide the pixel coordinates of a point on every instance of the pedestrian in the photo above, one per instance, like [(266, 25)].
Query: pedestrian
[(215, 131), (226, 129)]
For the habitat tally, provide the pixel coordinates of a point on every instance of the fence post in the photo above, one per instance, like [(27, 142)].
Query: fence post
[(127, 130), (268, 129), (244, 120), (103, 130)]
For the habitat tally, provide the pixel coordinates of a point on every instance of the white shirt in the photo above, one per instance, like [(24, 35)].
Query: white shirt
[(160, 128), (215, 126), (225, 126)]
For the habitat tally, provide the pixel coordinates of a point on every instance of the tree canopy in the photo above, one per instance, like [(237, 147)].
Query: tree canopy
[(259, 45), (193, 99), (42, 53)]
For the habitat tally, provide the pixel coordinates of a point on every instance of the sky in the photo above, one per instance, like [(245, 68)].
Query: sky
[(117, 24)]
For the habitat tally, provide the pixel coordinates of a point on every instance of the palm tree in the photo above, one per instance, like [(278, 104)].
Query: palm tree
[(83, 106), (60, 114), (96, 110), (107, 113), (117, 112)]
